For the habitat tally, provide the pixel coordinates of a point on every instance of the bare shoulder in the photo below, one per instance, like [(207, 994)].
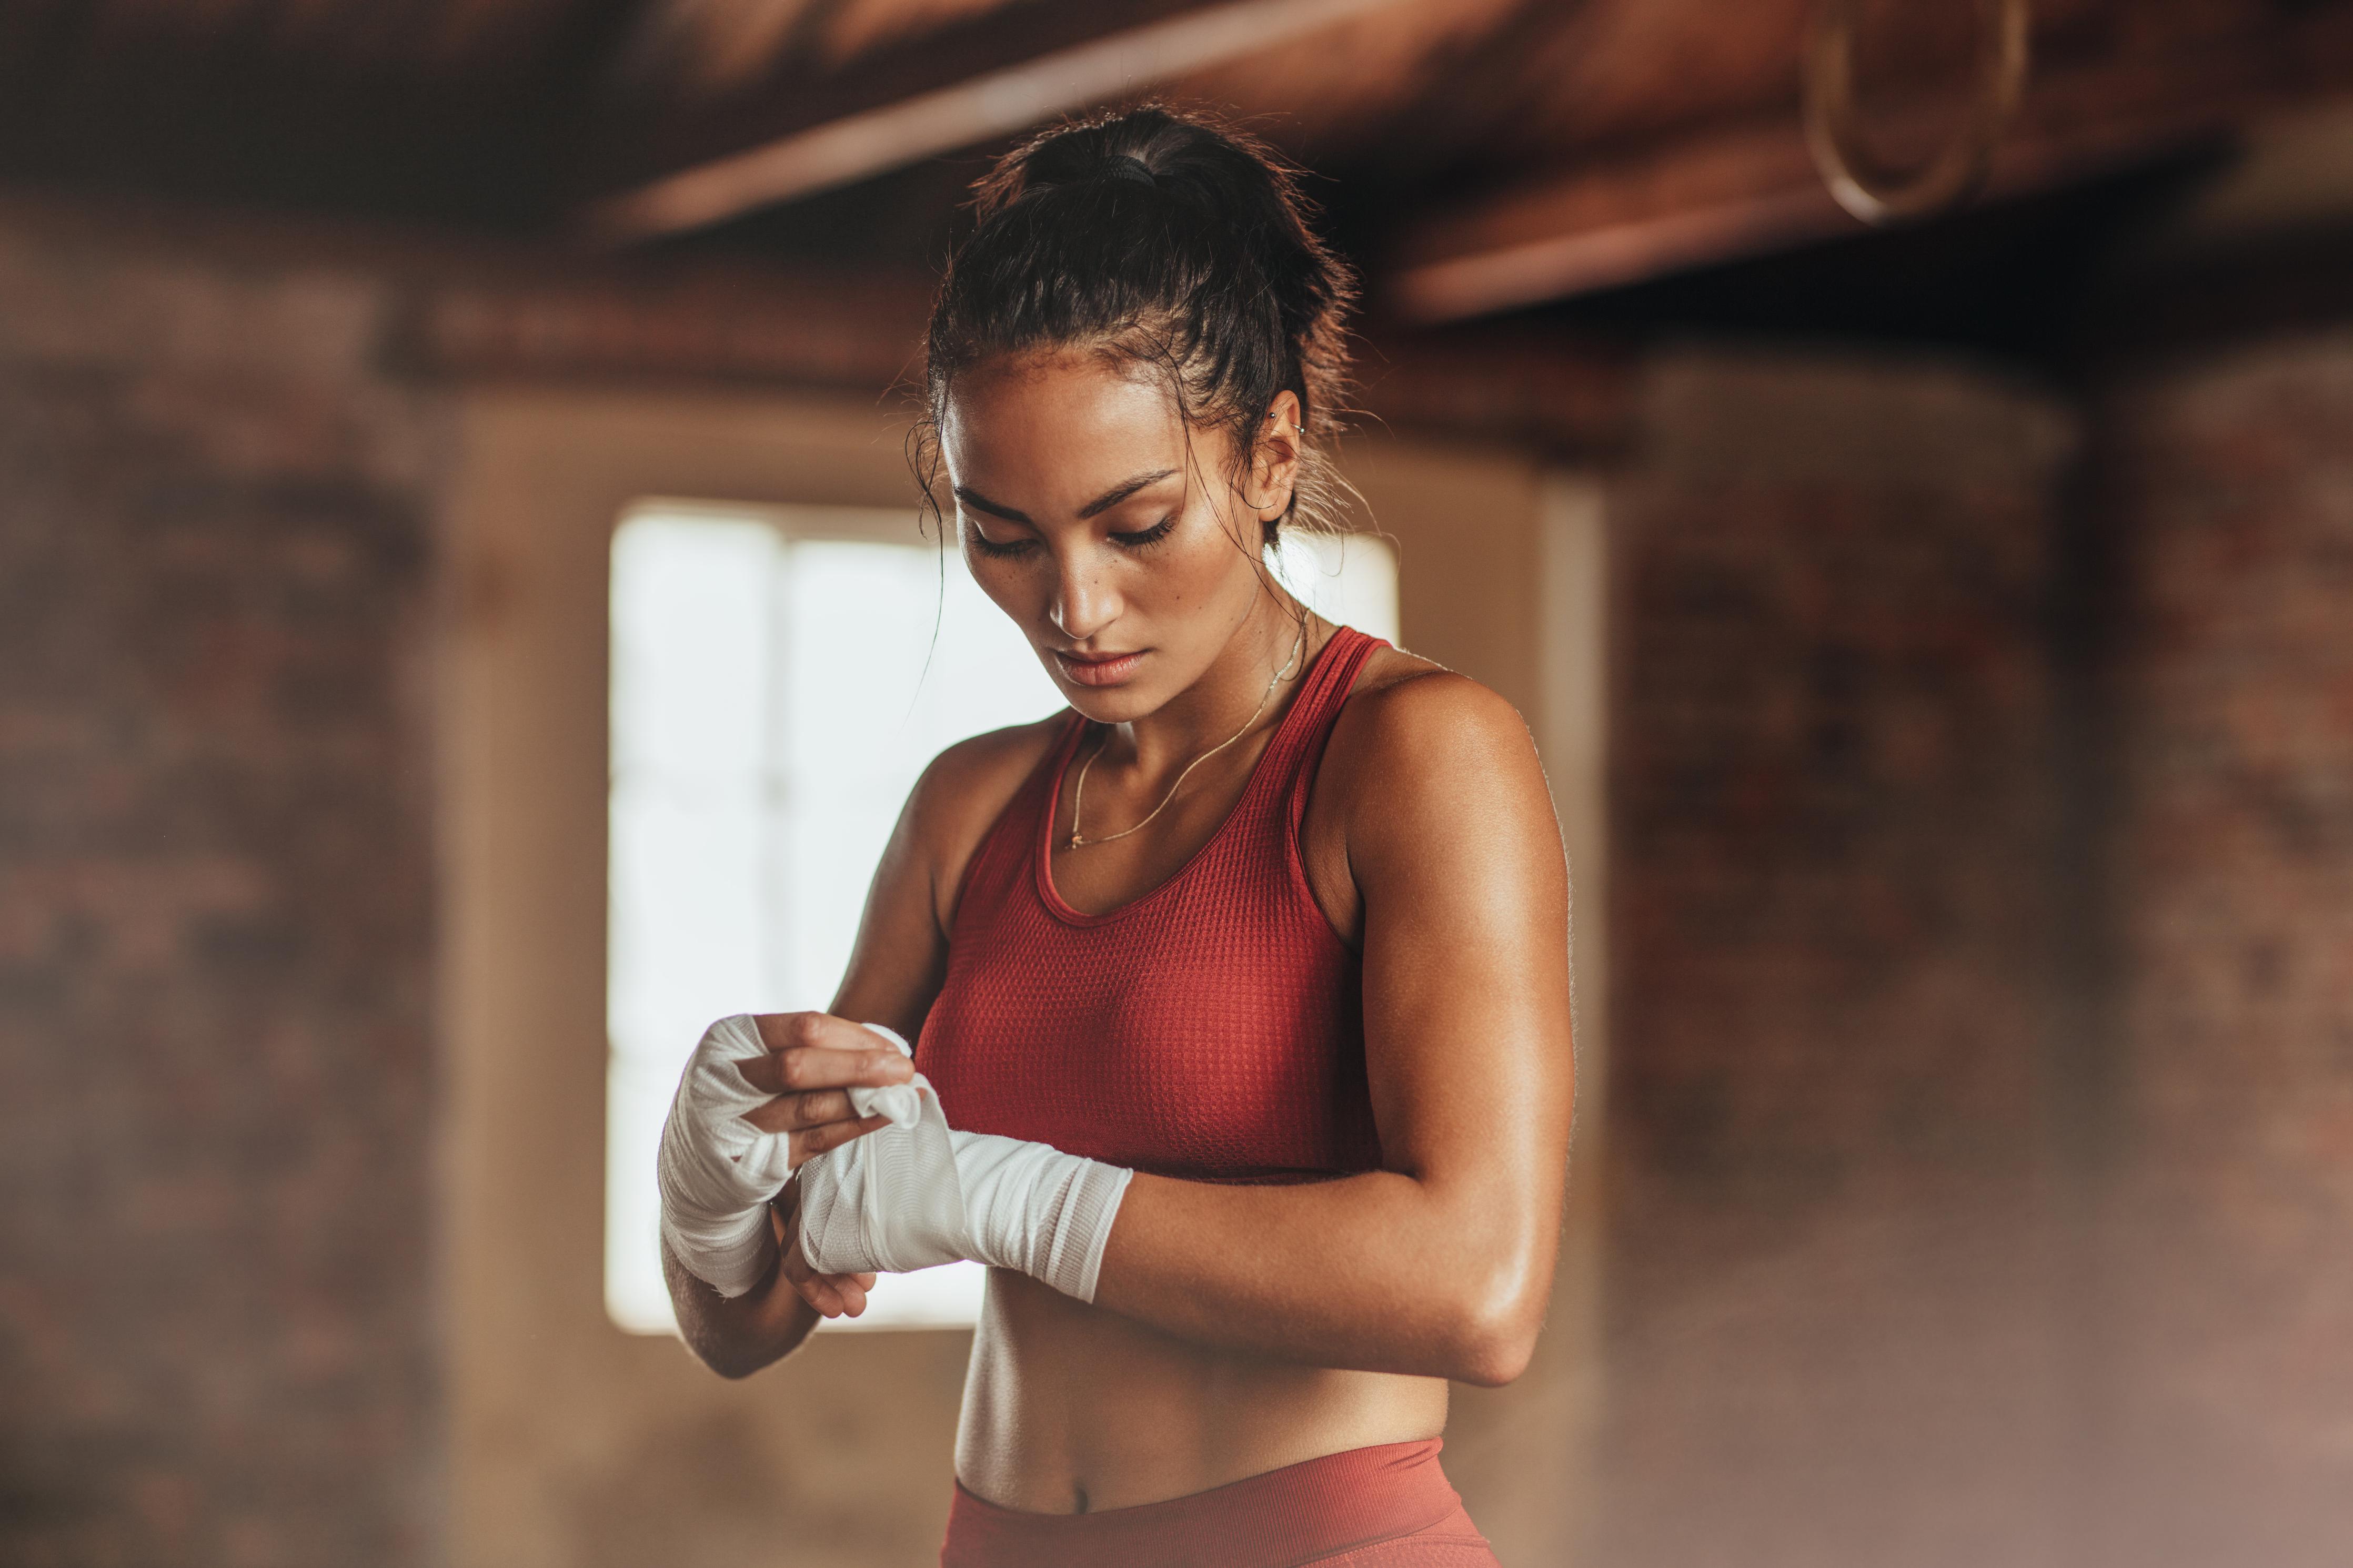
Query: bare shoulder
[(961, 793), (1410, 718), (1428, 775), (961, 790), (897, 964)]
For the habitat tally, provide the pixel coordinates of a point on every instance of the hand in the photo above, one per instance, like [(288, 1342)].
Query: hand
[(831, 1295), (813, 1060)]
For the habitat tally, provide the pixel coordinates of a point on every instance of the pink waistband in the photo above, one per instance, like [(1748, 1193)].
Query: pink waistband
[(1283, 1517)]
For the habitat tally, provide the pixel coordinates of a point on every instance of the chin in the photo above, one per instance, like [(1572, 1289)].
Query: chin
[(1111, 705)]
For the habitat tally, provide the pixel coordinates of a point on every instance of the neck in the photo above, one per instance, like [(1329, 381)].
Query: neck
[(1222, 701)]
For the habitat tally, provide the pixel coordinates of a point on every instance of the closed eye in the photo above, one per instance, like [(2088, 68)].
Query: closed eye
[(988, 546), (1150, 536)]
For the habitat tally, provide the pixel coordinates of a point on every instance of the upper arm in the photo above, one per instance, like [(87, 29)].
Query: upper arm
[(900, 958), (1457, 855)]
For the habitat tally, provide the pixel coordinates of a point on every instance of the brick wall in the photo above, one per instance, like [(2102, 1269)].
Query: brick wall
[(216, 1294), (1982, 1173), (1982, 1058), (2226, 1386), (1829, 1280), (224, 447)]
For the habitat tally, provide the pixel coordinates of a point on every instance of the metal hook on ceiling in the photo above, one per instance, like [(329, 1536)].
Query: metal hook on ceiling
[(1868, 189)]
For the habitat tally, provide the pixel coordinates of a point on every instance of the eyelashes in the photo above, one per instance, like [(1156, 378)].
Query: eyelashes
[(987, 547), (1150, 536), (1143, 540)]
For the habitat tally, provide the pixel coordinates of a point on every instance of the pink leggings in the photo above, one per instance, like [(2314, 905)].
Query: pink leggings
[(1385, 1507)]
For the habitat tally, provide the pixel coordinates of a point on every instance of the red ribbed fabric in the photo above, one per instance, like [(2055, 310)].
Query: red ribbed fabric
[(1210, 1030), (1388, 1506)]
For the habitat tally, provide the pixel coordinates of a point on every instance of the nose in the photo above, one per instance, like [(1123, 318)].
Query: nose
[(1084, 602)]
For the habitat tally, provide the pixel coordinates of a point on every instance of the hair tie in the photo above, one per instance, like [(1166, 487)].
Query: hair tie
[(1128, 167)]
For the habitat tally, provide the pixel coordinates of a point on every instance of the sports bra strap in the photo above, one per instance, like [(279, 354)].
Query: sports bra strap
[(1328, 686)]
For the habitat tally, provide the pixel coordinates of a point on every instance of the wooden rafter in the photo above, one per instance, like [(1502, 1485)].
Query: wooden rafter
[(945, 92), (1752, 188)]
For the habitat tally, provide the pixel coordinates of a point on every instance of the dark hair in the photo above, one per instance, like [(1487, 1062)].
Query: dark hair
[(1164, 238)]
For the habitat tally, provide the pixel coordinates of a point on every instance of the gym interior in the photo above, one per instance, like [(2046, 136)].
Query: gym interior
[(1898, 459)]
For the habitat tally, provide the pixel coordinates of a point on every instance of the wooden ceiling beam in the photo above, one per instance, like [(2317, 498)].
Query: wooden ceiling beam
[(946, 91), (1752, 188)]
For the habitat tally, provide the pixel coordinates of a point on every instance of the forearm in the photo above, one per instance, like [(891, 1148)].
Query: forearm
[(1384, 1271), (1381, 1272), (737, 1336)]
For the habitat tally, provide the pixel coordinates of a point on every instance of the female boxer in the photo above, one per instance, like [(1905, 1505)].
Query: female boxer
[(1246, 976)]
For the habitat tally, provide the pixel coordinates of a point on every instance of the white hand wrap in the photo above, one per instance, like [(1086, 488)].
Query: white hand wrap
[(909, 1196), (717, 1172)]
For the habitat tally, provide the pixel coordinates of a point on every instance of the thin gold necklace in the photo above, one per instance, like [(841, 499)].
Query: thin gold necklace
[(1079, 791)]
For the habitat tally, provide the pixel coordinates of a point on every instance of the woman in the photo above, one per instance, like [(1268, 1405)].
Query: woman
[(1274, 918)]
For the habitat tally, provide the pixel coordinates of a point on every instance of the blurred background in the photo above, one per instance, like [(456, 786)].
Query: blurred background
[(465, 622)]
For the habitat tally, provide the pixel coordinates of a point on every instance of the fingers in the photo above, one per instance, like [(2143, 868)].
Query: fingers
[(817, 1051), (806, 1146), (805, 1067), (834, 1134), (817, 1290), (783, 1032), (799, 1112), (835, 1294), (813, 1059), (832, 1295)]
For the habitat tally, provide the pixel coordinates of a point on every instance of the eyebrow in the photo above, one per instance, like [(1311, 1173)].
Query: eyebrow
[(979, 502), (1120, 492), (1101, 503)]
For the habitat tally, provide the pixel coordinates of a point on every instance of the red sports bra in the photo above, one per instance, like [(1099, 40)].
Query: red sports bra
[(1213, 1028)]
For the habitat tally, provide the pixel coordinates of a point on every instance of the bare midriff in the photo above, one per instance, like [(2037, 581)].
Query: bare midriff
[(1070, 1409)]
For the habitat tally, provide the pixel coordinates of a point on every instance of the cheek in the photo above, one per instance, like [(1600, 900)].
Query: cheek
[(1207, 575), (1024, 586), (1009, 586)]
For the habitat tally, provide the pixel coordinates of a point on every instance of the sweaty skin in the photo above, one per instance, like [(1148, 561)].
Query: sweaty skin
[(1235, 1330)]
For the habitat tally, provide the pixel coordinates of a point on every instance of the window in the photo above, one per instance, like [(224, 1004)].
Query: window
[(776, 688)]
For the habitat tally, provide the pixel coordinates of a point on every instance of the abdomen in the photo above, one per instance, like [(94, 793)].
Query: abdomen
[(1065, 1402)]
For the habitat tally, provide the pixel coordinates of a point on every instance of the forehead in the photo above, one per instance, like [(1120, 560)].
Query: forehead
[(1040, 418)]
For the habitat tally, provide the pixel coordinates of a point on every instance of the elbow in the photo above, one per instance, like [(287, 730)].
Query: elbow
[(724, 1346), (1496, 1329), (716, 1357), (732, 1362), (733, 1368), (1491, 1355), (734, 1371)]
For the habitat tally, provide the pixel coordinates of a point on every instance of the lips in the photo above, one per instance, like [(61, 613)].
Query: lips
[(1097, 670)]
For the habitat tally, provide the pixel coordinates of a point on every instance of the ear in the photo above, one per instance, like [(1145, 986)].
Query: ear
[(1274, 459)]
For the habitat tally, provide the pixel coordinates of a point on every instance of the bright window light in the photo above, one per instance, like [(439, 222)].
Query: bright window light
[(770, 708), (776, 688), (1351, 578)]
